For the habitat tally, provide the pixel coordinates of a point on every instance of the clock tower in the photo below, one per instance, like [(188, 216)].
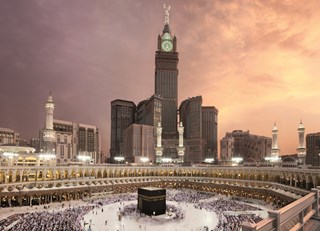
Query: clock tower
[(166, 78)]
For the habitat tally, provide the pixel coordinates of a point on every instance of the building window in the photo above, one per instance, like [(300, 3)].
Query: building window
[(61, 151), (69, 151)]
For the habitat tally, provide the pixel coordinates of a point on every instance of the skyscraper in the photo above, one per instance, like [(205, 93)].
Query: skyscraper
[(166, 78), (122, 116), (76, 142), (191, 117), (210, 130), (313, 149), (149, 111), (138, 145), (201, 124)]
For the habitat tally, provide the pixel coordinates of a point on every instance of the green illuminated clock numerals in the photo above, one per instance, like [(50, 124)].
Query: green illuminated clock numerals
[(166, 46)]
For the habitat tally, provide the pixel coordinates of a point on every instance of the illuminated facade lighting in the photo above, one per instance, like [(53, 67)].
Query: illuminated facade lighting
[(272, 158), (144, 159), (166, 160), (237, 159), (119, 158), (47, 156), (10, 154), (84, 158), (209, 160)]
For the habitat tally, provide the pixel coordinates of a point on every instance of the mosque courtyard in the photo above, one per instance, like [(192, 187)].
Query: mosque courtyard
[(187, 210)]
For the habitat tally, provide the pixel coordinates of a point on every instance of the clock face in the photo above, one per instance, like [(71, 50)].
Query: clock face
[(166, 46)]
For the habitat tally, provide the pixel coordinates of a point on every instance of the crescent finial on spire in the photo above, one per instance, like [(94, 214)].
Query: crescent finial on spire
[(166, 13)]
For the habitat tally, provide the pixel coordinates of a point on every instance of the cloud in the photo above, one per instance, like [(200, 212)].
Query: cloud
[(256, 61)]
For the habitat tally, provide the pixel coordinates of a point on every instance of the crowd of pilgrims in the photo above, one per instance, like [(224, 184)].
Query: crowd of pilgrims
[(230, 213), (173, 212), (68, 219)]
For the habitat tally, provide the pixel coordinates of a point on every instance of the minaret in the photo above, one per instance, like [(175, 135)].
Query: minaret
[(48, 146), (275, 150), (159, 132), (159, 148), (49, 109), (181, 148), (301, 150)]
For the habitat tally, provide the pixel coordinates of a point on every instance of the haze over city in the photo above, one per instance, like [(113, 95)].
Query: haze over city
[(256, 61)]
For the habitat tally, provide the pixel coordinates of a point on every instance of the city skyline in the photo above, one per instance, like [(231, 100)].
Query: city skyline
[(247, 59)]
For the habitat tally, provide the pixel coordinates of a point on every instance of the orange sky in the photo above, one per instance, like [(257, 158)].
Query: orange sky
[(257, 61)]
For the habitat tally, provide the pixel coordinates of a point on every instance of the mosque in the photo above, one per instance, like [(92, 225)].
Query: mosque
[(294, 191)]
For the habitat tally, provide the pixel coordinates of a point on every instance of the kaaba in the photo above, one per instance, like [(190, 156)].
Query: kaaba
[(152, 201)]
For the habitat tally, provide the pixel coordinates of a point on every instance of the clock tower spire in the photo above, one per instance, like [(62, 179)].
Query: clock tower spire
[(166, 28)]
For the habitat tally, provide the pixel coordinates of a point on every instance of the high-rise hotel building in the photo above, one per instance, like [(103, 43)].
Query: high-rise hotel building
[(313, 149), (122, 116), (245, 145), (9, 136), (210, 130), (201, 128)]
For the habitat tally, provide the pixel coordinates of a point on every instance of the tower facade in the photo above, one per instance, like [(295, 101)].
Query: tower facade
[(9, 136), (122, 116), (191, 117), (166, 78), (301, 150), (149, 111), (76, 142), (138, 145), (210, 130), (313, 149), (243, 144)]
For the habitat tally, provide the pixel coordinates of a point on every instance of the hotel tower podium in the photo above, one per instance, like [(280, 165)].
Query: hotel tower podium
[(152, 201)]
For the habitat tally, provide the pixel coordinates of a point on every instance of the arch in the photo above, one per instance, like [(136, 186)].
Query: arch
[(86, 173), (17, 176), (249, 162), (99, 174)]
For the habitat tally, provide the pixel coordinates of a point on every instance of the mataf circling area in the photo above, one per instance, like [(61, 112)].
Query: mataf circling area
[(186, 210)]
